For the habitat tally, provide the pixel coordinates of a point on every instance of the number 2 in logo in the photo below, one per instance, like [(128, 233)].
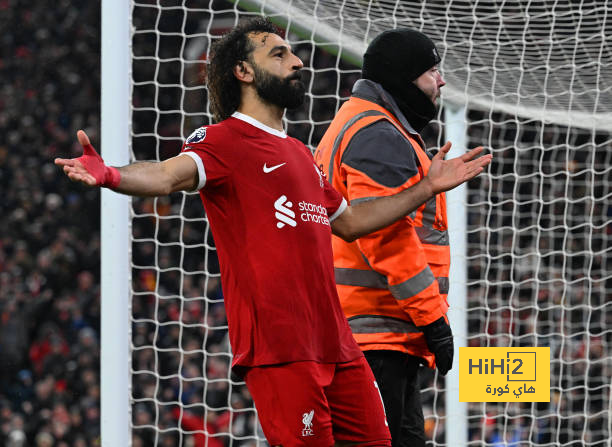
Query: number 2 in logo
[(520, 363)]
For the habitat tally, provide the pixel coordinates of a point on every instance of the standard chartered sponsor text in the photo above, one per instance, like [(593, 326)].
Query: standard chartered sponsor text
[(311, 212)]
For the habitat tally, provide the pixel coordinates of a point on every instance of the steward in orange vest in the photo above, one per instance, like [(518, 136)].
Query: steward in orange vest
[(393, 283)]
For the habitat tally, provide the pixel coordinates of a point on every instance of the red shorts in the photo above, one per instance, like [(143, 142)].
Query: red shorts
[(314, 404)]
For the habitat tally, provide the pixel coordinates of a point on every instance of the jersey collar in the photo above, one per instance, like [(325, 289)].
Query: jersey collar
[(252, 121)]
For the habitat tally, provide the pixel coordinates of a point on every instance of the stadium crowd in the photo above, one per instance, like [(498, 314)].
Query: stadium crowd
[(49, 244), (50, 247)]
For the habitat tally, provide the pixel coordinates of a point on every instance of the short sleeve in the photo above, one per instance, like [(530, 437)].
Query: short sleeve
[(335, 204), (212, 151)]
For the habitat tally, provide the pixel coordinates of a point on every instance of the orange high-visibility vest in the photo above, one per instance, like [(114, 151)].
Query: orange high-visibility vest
[(395, 280)]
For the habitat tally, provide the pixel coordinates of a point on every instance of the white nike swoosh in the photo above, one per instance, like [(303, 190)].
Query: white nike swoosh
[(267, 170)]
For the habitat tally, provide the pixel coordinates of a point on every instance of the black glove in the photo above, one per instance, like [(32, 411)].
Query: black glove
[(439, 338)]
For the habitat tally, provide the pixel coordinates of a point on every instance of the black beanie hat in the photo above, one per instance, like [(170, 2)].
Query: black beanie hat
[(394, 59), (403, 51)]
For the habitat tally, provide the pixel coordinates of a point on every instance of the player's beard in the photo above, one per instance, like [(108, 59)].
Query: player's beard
[(287, 93)]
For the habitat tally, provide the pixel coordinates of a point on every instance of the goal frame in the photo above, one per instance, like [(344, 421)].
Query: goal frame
[(115, 360), (115, 273), (115, 229)]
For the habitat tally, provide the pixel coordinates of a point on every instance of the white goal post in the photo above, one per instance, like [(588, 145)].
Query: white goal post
[(531, 238), (115, 411)]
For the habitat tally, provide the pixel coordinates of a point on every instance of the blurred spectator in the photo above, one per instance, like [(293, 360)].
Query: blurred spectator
[(49, 63)]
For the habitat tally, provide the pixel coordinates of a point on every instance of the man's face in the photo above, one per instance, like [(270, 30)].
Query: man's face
[(430, 83), (277, 71)]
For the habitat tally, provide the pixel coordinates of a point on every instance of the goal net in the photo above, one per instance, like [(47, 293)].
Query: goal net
[(533, 82)]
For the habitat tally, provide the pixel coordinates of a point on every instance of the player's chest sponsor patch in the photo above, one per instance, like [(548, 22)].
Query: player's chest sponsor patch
[(289, 213)]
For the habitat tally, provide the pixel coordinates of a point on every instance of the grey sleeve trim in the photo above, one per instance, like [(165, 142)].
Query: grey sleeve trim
[(360, 278), (443, 284), (414, 285), (431, 236)]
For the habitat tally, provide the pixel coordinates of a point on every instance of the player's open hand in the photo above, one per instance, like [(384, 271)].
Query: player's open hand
[(447, 174), (89, 168)]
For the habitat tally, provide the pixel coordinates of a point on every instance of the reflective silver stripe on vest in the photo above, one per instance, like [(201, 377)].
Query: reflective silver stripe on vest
[(432, 237), (340, 137), (429, 213), (374, 280), (360, 278), (414, 285), (443, 284), (373, 324), (427, 234)]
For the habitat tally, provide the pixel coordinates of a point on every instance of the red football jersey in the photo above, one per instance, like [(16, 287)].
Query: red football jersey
[(269, 209)]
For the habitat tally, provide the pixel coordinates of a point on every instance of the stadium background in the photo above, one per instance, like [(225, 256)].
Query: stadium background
[(50, 247)]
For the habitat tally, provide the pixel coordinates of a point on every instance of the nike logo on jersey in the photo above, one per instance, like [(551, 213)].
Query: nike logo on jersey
[(267, 169)]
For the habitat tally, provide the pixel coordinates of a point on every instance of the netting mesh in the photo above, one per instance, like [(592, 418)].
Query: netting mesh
[(545, 59), (538, 259), (535, 78)]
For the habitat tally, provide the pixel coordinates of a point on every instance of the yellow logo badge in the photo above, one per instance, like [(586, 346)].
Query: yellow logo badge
[(504, 374)]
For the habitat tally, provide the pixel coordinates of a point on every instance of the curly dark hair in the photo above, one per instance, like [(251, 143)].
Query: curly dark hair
[(225, 53)]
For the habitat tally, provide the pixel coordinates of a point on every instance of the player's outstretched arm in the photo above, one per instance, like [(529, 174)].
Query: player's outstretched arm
[(138, 179), (372, 215)]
